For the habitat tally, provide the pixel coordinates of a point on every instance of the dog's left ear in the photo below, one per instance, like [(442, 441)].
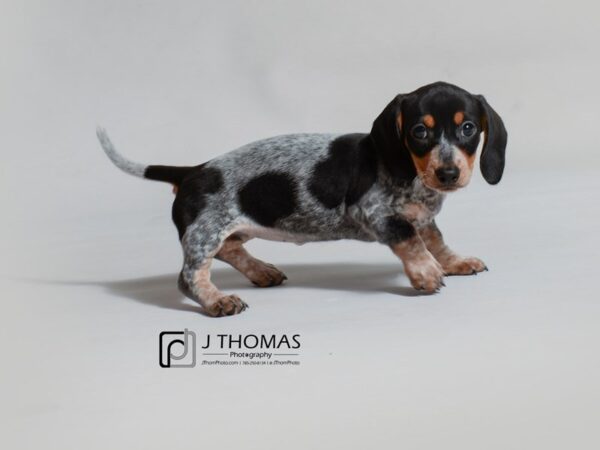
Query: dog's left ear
[(494, 145), (388, 125), (386, 134)]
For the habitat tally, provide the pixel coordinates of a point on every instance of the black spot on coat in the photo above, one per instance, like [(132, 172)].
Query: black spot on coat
[(269, 197), (347, 173), (191, 195), (398, 229)]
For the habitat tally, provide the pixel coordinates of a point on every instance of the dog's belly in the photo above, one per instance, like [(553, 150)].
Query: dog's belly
[(272, 234), (299, 237)]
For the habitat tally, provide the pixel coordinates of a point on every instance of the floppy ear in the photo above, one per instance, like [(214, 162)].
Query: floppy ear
[(494, 144), (386, 134), (388, 125)]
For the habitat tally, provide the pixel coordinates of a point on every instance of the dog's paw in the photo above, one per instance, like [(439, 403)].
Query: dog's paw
[(267, 275), (464, 266), (425, 273), (227, 305)]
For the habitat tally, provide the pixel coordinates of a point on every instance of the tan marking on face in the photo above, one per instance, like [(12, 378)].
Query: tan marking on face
[(421, 162), (431, 161), (175, 189), (426, 166), (429, 121), (464, 162), (399, 121), (470, 158), (459, 116)]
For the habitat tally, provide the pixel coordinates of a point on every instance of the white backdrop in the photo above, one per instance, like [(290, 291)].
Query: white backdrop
[(507, 359)]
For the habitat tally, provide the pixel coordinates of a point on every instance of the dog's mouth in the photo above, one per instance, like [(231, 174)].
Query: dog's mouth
[(439, 187), (445, 188)]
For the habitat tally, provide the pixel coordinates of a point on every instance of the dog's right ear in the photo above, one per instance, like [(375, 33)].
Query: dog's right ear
[(492, 158), (386, 134)]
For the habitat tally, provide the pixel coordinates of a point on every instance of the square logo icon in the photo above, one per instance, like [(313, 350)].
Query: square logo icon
[(177, 348)]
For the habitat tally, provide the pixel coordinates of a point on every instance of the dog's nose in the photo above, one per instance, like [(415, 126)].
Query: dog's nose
[(447, 174)]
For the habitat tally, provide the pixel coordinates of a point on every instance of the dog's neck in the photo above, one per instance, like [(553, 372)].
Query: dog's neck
[(394, 155)]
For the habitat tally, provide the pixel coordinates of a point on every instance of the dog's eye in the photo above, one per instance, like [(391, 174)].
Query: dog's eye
[(419, 131), (468, 129)]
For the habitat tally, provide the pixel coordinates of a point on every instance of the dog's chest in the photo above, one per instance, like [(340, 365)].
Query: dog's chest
[(416, 203)]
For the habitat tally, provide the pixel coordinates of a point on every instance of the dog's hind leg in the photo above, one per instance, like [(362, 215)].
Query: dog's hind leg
[(194, 280), (258, 272)]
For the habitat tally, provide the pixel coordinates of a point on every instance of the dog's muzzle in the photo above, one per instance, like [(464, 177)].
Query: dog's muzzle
[(447, 175)]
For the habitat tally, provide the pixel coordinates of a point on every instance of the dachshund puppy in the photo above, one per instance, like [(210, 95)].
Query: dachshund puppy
[(385, 186)]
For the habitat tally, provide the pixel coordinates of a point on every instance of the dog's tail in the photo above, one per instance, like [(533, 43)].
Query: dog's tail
[(169, 174)]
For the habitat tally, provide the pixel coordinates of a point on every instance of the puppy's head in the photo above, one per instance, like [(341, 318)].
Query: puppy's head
[(437, 129)]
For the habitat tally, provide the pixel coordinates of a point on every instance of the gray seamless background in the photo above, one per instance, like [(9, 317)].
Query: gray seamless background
[(506, 360)]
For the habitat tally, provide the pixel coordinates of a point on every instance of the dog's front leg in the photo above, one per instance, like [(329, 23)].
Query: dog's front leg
[(423, 270), (452, 263)]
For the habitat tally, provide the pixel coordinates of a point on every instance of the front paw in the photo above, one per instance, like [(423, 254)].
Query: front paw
[(228, 305), (463, 266), (425, 273)]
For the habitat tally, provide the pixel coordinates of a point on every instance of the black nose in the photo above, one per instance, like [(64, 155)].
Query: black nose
[(447, 174)]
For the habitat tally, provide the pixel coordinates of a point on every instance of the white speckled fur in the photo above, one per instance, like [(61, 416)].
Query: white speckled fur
[(295, 154), (127, 166), (386, 186)]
